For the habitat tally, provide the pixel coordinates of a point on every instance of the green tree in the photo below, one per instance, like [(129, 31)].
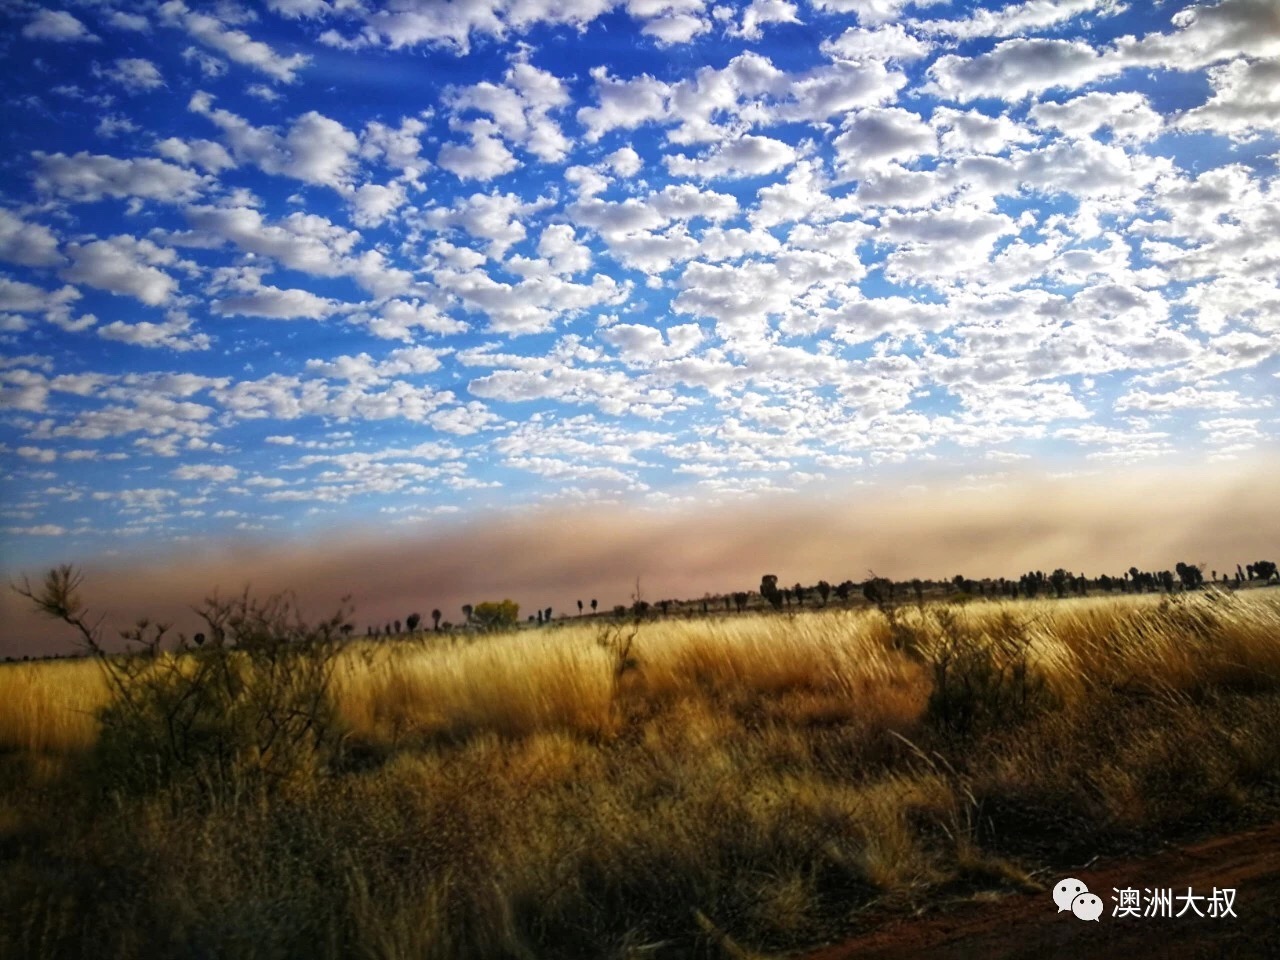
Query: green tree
[(496, 614)]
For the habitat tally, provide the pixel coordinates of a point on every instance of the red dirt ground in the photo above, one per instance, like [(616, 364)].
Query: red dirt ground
[(1029, 925)]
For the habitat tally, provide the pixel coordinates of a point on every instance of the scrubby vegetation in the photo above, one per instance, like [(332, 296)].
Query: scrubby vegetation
[(679, 788)]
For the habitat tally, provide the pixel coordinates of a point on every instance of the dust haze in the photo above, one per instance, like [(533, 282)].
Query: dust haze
[(1220, 515)]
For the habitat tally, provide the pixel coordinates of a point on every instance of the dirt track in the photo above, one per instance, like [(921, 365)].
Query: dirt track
[(1029, 925)]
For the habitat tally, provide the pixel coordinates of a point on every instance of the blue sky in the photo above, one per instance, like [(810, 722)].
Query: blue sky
[(271, 270)]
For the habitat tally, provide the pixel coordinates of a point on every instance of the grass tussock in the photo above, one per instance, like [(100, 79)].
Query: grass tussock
[(724, 787)]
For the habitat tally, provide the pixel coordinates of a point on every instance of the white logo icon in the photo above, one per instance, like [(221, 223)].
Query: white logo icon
[(1087, 906), (1066, 891)]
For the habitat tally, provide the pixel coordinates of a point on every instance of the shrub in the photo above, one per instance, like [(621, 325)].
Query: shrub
[(982, 680), (249, 709)]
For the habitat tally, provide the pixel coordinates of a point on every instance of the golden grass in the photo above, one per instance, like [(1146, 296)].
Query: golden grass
[(50, 707), (753, 780)]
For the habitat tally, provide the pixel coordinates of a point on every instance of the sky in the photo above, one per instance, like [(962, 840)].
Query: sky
[(317, 275)]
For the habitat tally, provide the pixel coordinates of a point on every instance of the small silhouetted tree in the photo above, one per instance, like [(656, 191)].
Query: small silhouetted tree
[(579, 608), (843, 590), (1189, 574), (877, 590), (198, 639), (388, 629), (467, 610), (593, 606), (798, 590), (1058, 579), (824, 591), (435, 618), (740, 599), (346, 629), (918, 586), (547, 614), (539, 616), (769, 590), (412, 621), (1264, 570)]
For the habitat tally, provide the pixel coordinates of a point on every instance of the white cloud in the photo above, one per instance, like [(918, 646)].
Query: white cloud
[(112, 125), (1245, 101), (135, 74), (747, 156), (174, 334), (207, 154), (872, 139), (58, 26), (124, 265), (219, 473), (87, 177), (1017, 18), (485, 158), (235, 45), (1016, 69), (249, 296), (300, 241), (886, 44), (28, 244), (1125, 114), (520, 108), (316, 149), (133, 22)]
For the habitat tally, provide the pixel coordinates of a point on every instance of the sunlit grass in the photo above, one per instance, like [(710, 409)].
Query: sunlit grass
[(753, 780)]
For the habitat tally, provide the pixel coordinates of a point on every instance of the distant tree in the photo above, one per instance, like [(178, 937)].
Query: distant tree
[(412, 621), (824, 591), (496, 614), (1166, 580), (539, 617), (397, 626), (640, 608), (844, 589), (547, 614), (1058, 580), (619, 611), (769, 590), (878, 590), (664, 606), (531, 618), (467, 611), (346, 632), (579, 608), (593, 606), (388, 629), (917, 586), (1265, 570), (198, 639), (435, 618), (799, 592), (740, 599), (1189, 574)]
